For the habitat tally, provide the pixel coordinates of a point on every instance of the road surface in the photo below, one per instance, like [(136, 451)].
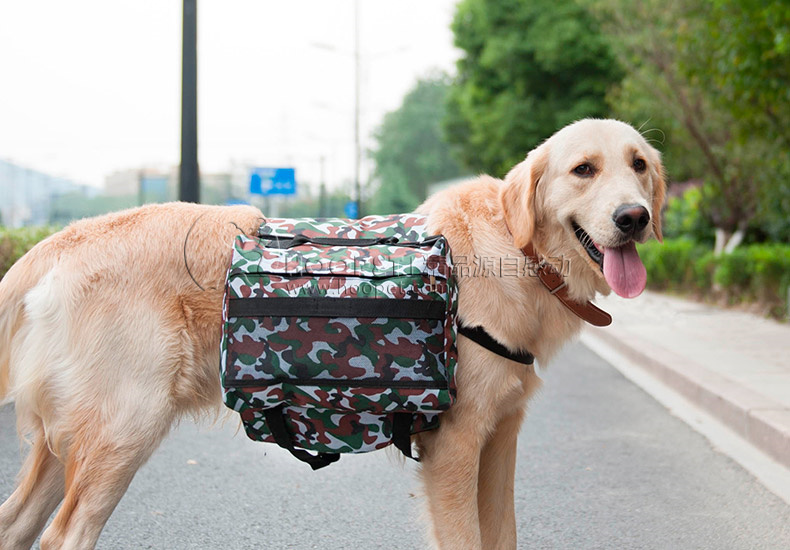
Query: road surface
[(601, 466)]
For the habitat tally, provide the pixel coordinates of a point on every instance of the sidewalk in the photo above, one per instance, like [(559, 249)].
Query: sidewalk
[(734, 365)]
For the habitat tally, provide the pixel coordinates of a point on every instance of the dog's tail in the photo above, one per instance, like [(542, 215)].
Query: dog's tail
[(22, 277)]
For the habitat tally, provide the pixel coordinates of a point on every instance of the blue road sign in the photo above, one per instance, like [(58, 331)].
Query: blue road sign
[(351, 210), (272, 181), (155, 185)]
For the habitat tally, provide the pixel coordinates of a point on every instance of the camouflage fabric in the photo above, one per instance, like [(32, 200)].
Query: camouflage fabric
[(330, 431), (341, 378), (406, 227)]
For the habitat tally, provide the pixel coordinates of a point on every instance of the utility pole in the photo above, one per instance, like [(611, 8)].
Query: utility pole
[(322, 195), (140, 188), (357, 153), (189, 180)]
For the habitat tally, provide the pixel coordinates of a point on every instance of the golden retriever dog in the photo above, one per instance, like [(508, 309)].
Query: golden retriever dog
[(106, 340)]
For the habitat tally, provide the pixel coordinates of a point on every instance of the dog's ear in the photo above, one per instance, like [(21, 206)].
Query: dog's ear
[(659, 177), (519, 195)]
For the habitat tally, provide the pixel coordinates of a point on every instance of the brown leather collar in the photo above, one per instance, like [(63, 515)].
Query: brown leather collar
[(552, 280)]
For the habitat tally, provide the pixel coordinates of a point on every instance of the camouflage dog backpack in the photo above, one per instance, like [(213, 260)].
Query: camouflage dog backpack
[(339, 335)]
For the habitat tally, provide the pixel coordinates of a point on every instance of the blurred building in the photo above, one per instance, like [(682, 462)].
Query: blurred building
[(157, 184), (26, 195), (31, 197), (147, 184)]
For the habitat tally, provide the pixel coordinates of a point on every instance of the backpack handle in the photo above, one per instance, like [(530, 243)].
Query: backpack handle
[(279, 241)]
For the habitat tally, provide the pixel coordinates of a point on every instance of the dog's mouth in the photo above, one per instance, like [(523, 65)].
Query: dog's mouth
[(592, 249), (621, 266)]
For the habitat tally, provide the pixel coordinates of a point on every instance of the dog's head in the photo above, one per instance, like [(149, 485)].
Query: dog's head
[(587, 194)]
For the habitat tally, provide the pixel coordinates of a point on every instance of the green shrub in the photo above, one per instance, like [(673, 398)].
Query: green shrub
[(755, 273), (770, 271), (732, 270), (704, 268), (672, 266), (15, 242)]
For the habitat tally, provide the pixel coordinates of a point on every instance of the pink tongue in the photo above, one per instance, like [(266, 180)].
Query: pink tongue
[(624, 271)]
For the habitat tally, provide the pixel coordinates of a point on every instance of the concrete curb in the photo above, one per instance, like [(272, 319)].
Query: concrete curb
[(760, 420)]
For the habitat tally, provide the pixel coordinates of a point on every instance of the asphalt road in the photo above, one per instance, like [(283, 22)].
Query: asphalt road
[(601, 466)]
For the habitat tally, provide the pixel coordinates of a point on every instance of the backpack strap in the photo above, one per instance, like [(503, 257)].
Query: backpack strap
[(275, 419), (401, 433), (479, 336)]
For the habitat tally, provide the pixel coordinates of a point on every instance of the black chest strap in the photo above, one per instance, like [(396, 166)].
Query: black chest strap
[(479, 336)]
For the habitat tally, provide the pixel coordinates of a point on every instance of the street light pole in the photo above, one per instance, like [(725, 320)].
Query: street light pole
[(357, 154), (189, 177), (322, 193)]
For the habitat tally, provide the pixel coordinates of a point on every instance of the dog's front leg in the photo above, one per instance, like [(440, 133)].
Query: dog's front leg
[(495, 485), (450, 463)]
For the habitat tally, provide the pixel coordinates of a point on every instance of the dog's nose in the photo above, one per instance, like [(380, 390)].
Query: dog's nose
[(631, 218)]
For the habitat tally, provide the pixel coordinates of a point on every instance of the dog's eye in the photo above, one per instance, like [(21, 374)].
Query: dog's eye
[(639, 165), (584, 170)]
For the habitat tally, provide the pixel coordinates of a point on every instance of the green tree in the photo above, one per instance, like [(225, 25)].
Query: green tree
[(682, 62), (529, 67), (747, 65), (411, 152)]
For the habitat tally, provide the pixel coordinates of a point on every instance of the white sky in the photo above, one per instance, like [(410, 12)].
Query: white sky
[(92, 86)]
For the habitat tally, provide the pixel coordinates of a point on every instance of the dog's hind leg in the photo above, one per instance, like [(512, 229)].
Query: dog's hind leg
[(24, 514), (99, 468)]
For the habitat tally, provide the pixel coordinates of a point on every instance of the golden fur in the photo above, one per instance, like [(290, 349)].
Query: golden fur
[(106, 340)]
